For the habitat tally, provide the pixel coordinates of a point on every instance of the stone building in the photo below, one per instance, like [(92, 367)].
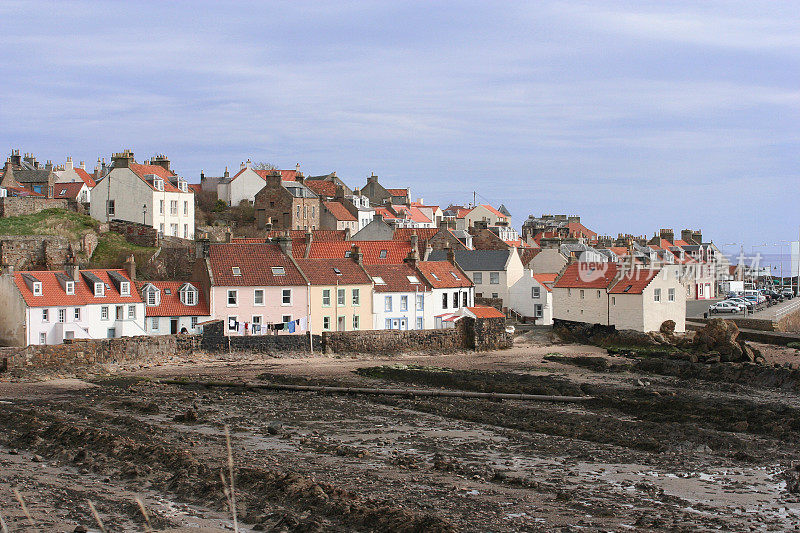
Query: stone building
[(287, 205)]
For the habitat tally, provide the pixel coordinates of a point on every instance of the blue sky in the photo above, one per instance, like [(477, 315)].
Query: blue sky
[(635, 115)]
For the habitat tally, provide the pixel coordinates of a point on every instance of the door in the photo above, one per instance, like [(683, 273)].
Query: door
[(120, 312), (340, 323), (112, 332), (395, 323), (173, 326), (403, 323)]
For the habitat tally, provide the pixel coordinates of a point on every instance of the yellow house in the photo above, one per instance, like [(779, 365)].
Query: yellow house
[(340, 294)]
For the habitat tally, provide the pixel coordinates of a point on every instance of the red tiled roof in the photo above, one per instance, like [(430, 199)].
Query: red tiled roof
[(619, 250), (339, 211), (196, 187), (423, 234), (412, 213), (529, 254), (398, 192), (171, 304), (67, 190), (54, 295), (321, 272), (322, 187), (395, 278), (681, 242), (286, 175), (587, 275), (483, 311), (443, 274), (546, 280), (576, 229), (21, 191), (164, 174), (395, 251), (634, 281), (318, 235), (255, 262), (385, 213), (87, 178), (495, 211)]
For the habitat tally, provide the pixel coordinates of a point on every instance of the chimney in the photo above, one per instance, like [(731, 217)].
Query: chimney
[(421, 201), (309, 239), (15, 158), (298, 177), (297, 168), (226, 174), (356, 255), (68, 164), (248, 163), (122, 159), (83, 165), (451, 255), (668, 235), (202, 175), (428, 251), (415, 241), (412, 258), (201, 247), (161, 161), (285, 242), (71, 266), (98, 170), (228, 236), (242, 166), (130, 267), (372, 179), (8, 270), (48, 165), (274, 179), (339, 193)]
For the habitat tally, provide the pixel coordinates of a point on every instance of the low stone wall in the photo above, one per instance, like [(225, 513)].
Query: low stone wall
[(135, 233), (393, 341), (86, 352), (753, 335), (497, 303), (486, 334), (14, 206), (214, 340), (760, 324)]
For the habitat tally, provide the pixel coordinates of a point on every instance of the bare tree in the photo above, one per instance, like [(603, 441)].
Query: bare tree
[(263, 165)]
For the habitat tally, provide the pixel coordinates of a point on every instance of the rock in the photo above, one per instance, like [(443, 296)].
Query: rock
[(667, 328), (189, 416), (274, 427), (37, 459), (658, 337), (748, 354), (711, 359), (80, 529)]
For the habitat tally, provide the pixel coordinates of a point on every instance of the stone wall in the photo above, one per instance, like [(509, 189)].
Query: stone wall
[(14, 206), (789, 323), (34, 252), (135, 233), (497, 303), (393, 342), (486, 334), (215, 340)]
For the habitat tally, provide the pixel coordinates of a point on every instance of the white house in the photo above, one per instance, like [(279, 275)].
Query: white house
[(493, 272), (150, 194), (627, 298), (451, 289), (74, 190), (532, 296), (173, 307), (47, 307), (246, 183), (401, 297), (68, 173)]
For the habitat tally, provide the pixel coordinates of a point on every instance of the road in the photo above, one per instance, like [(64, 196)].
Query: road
[(696, 308)]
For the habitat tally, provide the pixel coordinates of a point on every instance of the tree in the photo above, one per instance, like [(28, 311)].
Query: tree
[(263, 165)]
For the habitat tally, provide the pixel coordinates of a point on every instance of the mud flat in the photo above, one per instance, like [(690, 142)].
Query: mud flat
[(649, 452)]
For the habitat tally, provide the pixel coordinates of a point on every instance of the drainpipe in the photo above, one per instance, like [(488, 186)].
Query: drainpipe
[(308, 312)]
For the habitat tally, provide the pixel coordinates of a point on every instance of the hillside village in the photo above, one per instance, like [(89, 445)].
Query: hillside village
[(128, 248)]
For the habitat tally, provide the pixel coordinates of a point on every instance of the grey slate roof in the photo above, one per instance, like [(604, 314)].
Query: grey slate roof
[(32, 176), (469, 260)]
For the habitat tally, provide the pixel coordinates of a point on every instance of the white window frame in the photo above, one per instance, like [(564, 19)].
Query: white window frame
[(326, 323), (341, 297), (42, 338), (656, 295), (670, 295), (99, 289), (45, 315), (387, 303), (125, 288), (62, 315), (326, 297), (356, 297), (76, 314), (286, 294), (132, 312), (420, 323), (494, 278), (420, 303), (104, 312), (37, 288), (256, 293), (404, 302), (69, 287), (536, 292), (356, 322), (111, 209), (235, 294)]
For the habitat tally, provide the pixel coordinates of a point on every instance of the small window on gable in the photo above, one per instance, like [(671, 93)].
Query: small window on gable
[(347, 254), (278, 271), (125, 288), (383, 254), (167, 291), (413, 279), (37, 288), (236, 271)]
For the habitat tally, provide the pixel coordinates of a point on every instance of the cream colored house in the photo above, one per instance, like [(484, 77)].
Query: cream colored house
[(340, 294), (627, 298), (547, 260), (493, 272), (532, 297)]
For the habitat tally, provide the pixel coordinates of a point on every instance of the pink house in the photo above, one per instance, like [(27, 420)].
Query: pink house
[(255, 288)]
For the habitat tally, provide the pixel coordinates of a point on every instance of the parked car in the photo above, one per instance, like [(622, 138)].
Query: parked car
[(787, 293), (724, 307), (744, 302)]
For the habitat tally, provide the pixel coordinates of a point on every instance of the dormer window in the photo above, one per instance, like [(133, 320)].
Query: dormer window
[(69, 287), (99, 288), (383, 254), (158, 183), (236, 271), (188, 295), (37, 288), (125, 288), (183, 186), (152, 296)]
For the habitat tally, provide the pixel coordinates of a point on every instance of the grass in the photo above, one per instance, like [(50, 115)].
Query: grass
[(49, 222), (112, 249)]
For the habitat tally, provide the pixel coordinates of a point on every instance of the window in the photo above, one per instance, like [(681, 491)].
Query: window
[(494, 278), (465, 299), (356, 297), (258, 297), (340, 297), (256, 320), (233, 323), (444, 300), (110, 208), (286, 319), (99, 289), (173, 207), (194, 322), (159, 184), (413, 279), (537, 310), (236, 271), (326, 323), (404, 303), (42, 338), (420, 302), (582, 294), (62, 315), (233, 298), (152, 297), (535, 292), (188, 296), (378, 280), (477, 278), (455, 300), (185, 207), (104, 313), (173, 229), (37, 288), (120, 312), (387, 303), (688, 290), (326, 297), (77, 314), (298, 211), (45, 315), (161, 207), (356, 321), (305, 211), (598, 294), (419, 323), (125, 288), (383, 254), (286, 297), (132, 312), (700, 290), (495, 295), (657, 295), (613, 300), (569, 292), (186, 231), (278, 271), (161, 228), (671, 295), (388, 324), (69, 287)]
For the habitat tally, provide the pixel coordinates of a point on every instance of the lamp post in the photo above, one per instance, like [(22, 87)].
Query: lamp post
[(144, 214)]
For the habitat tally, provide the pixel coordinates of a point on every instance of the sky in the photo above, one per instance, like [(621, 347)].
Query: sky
[(634, 115)]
